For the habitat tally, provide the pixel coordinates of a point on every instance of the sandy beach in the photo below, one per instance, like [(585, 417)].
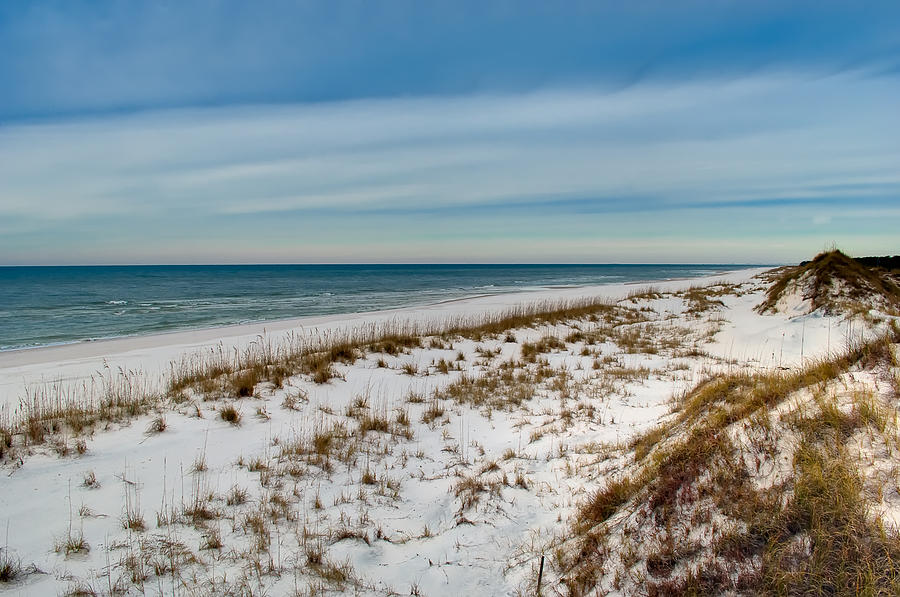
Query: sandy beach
[(481, 298), (442, 466), (152, 354)]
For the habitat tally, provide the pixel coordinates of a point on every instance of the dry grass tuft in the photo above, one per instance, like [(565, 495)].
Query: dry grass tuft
[(230, 414), (73, 542), (157, 425), (10, 566)]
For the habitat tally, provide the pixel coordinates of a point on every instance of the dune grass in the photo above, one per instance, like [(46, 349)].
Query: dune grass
[(859, 283), (118, 396), (810, 533)]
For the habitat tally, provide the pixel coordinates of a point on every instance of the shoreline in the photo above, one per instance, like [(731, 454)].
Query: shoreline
[(151, 355), (280, 323)]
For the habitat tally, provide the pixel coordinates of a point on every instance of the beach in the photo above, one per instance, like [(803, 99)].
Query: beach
[(441, 464), (152, 354)]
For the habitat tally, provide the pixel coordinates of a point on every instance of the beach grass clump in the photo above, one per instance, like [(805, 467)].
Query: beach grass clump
[(336, 575), (844, 550), (230, 414), (531, 350), (467, 490), (10, 566), (433, 412), (395, 343), (236, 496), (373, 421), (132, 516), (6, 434), (57, 410), (501, 387), (316, 446), (157, 425), (319, 366), (243, 383), (700, 300), (72, 543), (199, 507)]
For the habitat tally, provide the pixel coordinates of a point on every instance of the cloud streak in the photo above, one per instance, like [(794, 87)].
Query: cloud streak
[(76, 57), (551, 171)]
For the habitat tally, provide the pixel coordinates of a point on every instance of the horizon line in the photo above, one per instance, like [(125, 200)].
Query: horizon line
[(386, 263)]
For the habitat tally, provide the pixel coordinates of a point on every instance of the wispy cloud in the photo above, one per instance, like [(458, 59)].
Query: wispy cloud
[(471, 130), (556, 164)]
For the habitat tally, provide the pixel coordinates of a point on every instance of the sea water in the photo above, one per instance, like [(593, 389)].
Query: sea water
[(42, 306)]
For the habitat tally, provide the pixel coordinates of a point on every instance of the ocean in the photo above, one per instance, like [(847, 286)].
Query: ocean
[(42, 306)]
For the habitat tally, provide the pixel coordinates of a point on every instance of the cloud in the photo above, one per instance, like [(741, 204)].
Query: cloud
[(538, 168), (73, 57)]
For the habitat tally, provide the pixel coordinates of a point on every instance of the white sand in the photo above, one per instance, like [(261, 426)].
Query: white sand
[(431, 542)]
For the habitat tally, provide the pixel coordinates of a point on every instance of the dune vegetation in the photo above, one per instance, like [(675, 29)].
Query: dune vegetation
[(682, 439)]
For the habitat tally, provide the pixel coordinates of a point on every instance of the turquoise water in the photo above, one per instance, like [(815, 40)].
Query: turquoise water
[(51, 305)]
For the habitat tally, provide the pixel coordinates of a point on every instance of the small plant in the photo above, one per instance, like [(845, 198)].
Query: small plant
[(10, 567), (157, 425), (292, 402), (314, 553), (73, 542), (415, 397), (199, 464), (434, 411), (373, 421), (212, 539), (80, 588), (134, 521), (319, 366), (236, 496), (133, 518), (521, 481), (244, 383), (230, 414), (437, 344), (90, 480)]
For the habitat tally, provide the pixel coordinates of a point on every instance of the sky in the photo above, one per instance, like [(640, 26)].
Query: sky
[(486, 132)]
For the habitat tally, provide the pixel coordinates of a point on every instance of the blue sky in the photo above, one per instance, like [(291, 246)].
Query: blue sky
[(230, 132)]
